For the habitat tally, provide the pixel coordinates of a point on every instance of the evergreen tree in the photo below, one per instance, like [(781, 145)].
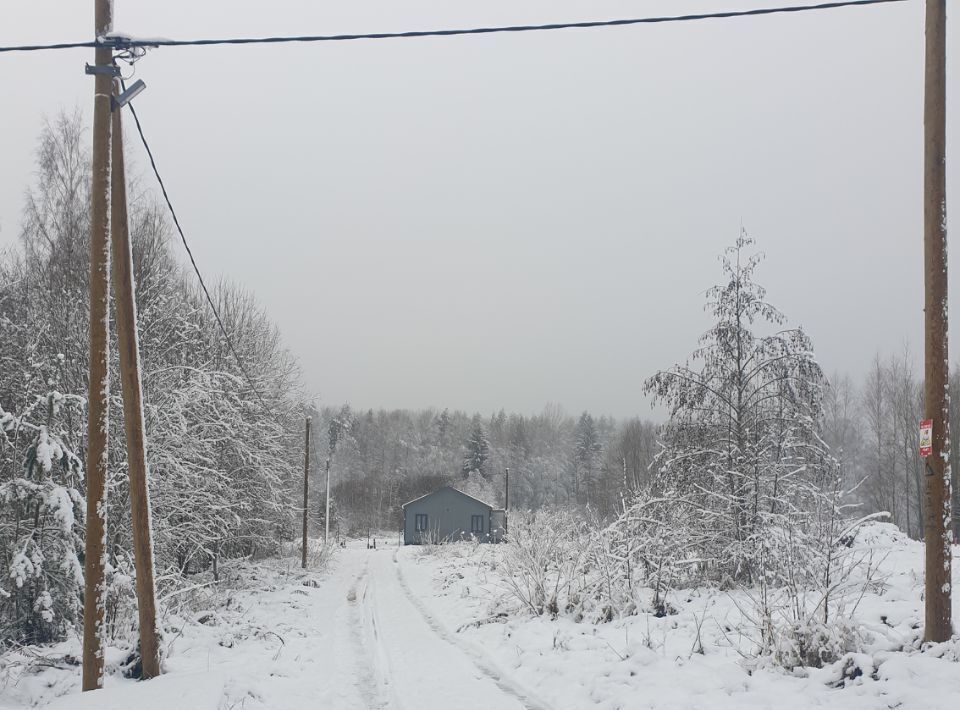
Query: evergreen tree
[(477, 450), (39, 512), (586, 457), (443, 428)]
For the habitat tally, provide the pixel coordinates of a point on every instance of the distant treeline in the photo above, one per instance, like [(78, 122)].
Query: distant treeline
[(381, 459)]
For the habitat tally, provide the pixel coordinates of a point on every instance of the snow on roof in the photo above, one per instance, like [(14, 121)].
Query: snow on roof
[(455, 490)]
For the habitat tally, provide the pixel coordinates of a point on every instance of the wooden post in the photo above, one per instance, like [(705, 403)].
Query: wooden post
[(326, 517), (94, 591), (129, 345), (937, 515), (506, 498), (306, 475)]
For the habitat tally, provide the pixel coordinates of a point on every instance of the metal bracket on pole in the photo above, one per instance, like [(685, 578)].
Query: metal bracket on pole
[(127, 95), (108, 69)]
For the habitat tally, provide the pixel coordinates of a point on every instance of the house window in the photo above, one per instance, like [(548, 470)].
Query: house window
[(420, 522), (476, 523)]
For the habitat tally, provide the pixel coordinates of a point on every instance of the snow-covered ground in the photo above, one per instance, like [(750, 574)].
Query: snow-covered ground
[(648, 662), (405, 628), (350, 637)]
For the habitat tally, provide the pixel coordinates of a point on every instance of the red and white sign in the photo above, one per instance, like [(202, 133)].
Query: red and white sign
[(926, 437)]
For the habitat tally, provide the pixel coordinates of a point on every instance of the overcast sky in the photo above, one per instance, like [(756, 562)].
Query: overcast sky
[(510, 220)]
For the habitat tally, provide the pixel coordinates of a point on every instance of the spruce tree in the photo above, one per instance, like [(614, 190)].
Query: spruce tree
[(477, 450), (586, 457)]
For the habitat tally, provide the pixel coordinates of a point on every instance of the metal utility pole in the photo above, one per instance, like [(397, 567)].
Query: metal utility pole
[(936, 528), (306, 474), (132, 390), (99, 382), (326, 516)]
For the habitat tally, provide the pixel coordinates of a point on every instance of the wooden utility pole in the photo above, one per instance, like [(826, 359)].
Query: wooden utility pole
[(506, 497), (306, 476), (326, 516), (937, 514), (131, 388), (506, 489), (94, 591)]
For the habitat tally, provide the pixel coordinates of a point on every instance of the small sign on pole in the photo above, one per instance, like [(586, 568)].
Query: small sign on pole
[(926, 437)]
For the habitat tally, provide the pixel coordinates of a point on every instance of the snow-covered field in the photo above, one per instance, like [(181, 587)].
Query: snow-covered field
[(406, 628), (649, 662)]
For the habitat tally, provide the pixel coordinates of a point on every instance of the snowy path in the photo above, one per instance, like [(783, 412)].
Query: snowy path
[(412, 662), (357, 640), (318, 664)]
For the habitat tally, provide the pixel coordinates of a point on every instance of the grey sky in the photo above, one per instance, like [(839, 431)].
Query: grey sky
[(509, 220)]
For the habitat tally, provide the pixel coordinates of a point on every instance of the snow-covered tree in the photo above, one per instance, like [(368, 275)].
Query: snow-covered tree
[(223, 465), (443, 428), (41, 513), (587, 454), (476, 449), (479, 486), (742, 443)]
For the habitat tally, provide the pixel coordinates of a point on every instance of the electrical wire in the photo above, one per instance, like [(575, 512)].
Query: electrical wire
[(193, 261), (43, 47), (119, 42)]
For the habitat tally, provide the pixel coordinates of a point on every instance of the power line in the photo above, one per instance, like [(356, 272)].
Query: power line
[(193, 261), (118, 42), (41, 47)]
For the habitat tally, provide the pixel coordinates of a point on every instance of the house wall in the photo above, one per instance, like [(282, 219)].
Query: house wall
[(448, 516)]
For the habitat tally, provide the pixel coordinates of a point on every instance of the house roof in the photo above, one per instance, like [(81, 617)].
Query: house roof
[(455, 490)]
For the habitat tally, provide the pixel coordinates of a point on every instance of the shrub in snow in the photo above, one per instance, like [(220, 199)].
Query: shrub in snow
[(810, 642), (544, 561), (654, 545), (120, 604), (40, 505)]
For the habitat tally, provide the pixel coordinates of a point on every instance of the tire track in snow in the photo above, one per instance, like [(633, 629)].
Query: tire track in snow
[(477, 656), (377, 695)]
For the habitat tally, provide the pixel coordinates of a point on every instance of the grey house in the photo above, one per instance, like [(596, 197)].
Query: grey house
[(447, 515)]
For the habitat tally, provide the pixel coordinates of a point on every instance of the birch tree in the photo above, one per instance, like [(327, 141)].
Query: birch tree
[(742, 441)]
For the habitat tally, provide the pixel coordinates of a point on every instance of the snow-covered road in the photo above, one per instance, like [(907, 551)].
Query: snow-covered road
[(350, 638), (375, 630), (411, 661), (361, 641)]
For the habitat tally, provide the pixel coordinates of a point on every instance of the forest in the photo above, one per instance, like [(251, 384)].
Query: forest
[(380, 459)]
